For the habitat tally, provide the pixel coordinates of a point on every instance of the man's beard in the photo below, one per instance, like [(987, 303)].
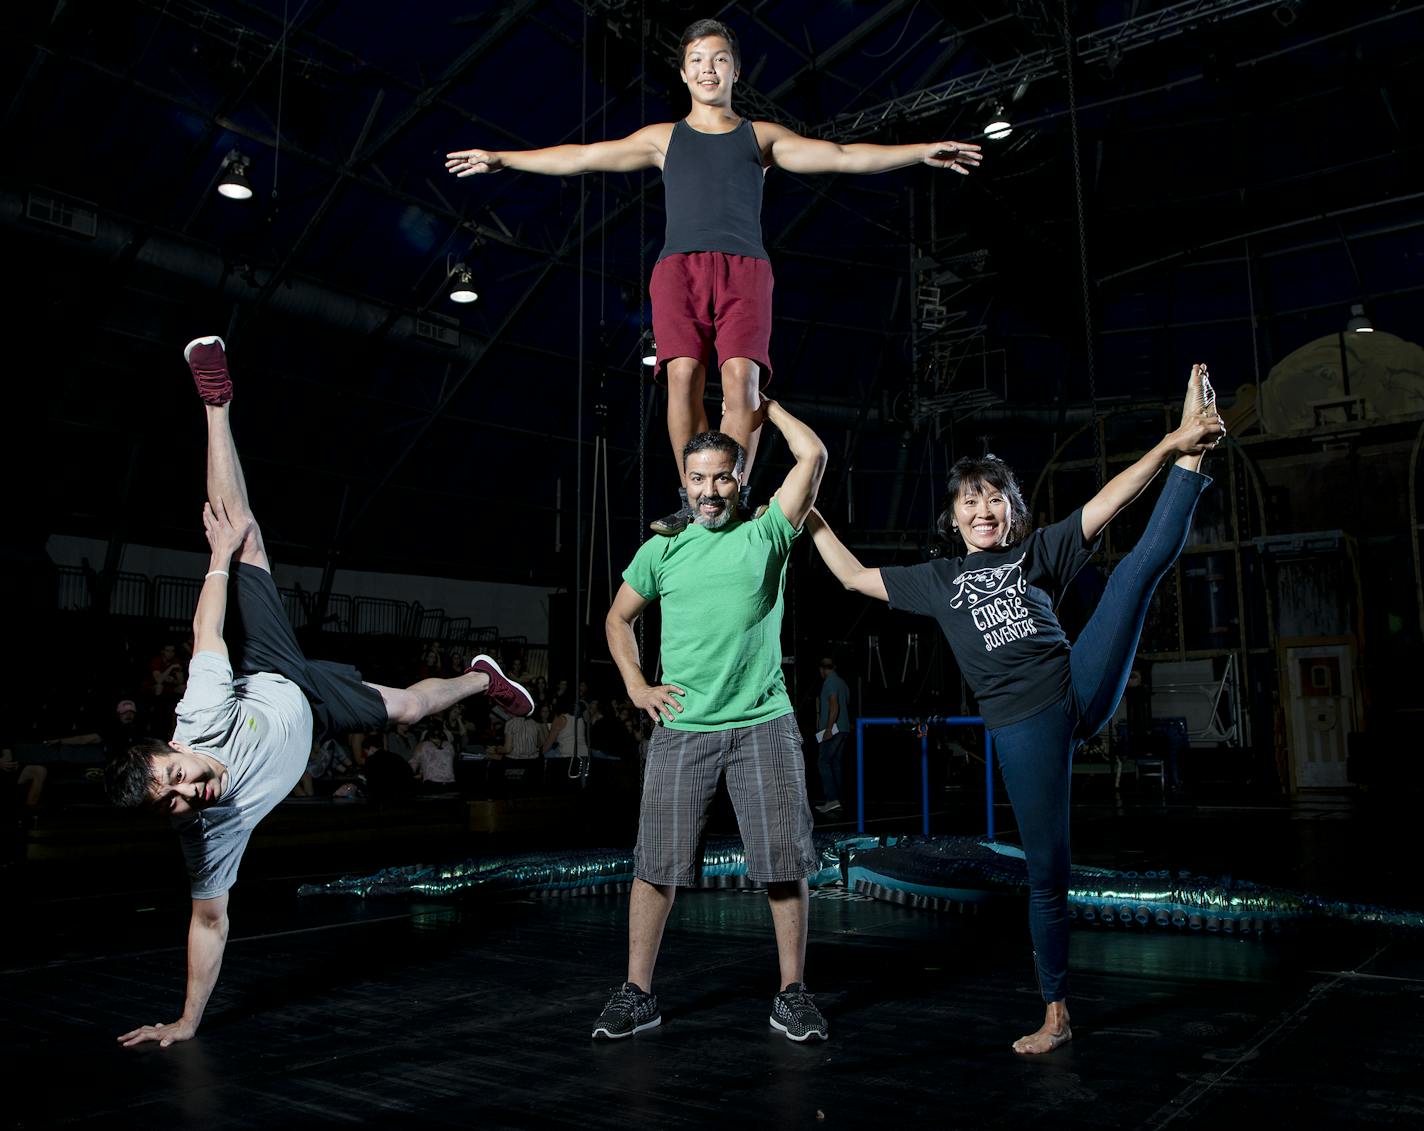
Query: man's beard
[(713, 521)]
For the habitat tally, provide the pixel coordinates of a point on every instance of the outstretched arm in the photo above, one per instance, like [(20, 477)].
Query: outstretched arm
[(1200, 430), (842, 563), (788, 150), (207, 939), (641, 150), (657, 701), (798, 493)]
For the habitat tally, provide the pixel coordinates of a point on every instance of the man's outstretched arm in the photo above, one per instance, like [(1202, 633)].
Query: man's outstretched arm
[(798, 493), (788, 150), (207, 939), (642, 149)]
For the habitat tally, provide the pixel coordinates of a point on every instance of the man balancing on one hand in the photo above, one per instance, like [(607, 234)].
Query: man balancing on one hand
[(244, 725)]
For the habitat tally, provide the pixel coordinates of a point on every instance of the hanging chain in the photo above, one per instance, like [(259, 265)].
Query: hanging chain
[(1083, 248)]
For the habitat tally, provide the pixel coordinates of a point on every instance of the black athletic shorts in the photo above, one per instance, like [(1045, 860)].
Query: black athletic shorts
[(260, 639)]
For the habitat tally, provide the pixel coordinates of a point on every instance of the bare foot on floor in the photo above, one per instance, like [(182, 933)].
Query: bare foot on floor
[(1054, 1033)]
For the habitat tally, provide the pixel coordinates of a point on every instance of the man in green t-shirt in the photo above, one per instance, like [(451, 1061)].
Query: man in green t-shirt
[(724, 710)]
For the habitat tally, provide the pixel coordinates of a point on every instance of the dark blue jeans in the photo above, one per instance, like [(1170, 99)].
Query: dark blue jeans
[(1036, 753), (830, 762)]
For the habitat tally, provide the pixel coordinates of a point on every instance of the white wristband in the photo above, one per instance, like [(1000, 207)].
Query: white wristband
[(215, 573)]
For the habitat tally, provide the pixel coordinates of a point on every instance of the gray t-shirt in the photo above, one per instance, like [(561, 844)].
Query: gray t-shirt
[(260, 728)]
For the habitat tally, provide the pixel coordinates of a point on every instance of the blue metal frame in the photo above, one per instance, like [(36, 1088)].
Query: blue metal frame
[(924, 725)]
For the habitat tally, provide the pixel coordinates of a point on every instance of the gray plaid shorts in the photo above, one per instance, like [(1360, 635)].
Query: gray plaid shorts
[(766, 779)]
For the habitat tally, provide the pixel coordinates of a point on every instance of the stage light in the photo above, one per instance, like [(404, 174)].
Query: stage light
[(1286, 12), (998, 127), (650, 349), (1358, 323), (462, 286), (234, 184)]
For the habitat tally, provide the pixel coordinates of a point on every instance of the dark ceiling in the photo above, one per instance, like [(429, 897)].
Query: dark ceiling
[(1247, 171)]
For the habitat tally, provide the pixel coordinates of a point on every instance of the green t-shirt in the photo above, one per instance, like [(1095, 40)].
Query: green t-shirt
[(721, 610)]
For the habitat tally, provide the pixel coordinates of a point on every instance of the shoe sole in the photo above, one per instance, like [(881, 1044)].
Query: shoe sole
[(790, 1036), (207, 341), (606, 1035), (519, 687)]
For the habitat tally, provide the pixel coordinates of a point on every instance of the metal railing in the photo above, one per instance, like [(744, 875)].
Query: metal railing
[(922, 731)]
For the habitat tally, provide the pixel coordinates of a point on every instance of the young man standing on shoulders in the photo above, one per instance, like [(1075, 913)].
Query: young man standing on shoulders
[(713, 281)]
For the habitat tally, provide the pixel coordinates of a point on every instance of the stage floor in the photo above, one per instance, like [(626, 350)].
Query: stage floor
[(335, 1012)]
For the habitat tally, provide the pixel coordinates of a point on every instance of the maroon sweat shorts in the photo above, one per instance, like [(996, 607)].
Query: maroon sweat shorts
[(707, 299)]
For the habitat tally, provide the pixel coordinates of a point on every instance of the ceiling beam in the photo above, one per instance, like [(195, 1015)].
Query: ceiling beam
[(1092, 47)]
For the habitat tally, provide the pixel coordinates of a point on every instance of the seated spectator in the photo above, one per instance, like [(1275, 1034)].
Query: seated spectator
[(522, 739), (606, 734), (166, 674), (25, 783), (399, 739), (568, 734), (329, 759), (116, 736), (433, 759), (432, 661), (461, 733), (386, 776)]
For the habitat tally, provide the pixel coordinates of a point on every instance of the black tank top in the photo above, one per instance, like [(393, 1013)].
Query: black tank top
[(713, 184)]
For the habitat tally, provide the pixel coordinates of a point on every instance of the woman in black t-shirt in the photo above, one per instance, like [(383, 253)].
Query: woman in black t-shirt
[(1039, 696)]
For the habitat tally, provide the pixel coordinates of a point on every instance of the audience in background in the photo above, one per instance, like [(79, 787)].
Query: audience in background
[(400, 740), (568, 733), (607, 734), (24, 783), (384, 775), (117, 735), (523, 738), (434, 757)]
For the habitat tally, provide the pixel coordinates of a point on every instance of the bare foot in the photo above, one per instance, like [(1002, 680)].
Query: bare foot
[(1201, 397), (1055, 1032), (1202, 427)]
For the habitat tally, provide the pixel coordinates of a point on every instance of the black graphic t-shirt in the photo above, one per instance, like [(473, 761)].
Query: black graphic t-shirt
[(996, 609)]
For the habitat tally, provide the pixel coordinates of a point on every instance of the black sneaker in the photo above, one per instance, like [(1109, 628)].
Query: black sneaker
[(671, 524), (676, 522), (630, 1011), (795, 1014)]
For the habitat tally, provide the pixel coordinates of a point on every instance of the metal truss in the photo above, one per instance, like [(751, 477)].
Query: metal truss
[(253, 49), (1105, 45)]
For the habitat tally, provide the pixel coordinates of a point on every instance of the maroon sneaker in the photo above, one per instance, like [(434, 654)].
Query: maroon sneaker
[(207, 358), (502, 690)]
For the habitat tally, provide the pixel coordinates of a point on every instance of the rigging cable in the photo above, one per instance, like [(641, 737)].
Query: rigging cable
[(1083, 249)]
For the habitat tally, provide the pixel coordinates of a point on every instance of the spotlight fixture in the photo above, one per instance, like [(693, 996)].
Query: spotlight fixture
[(1358, 323), (462, 287), (998, 126), (650, 349), (234, 183), (1286, 12)]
